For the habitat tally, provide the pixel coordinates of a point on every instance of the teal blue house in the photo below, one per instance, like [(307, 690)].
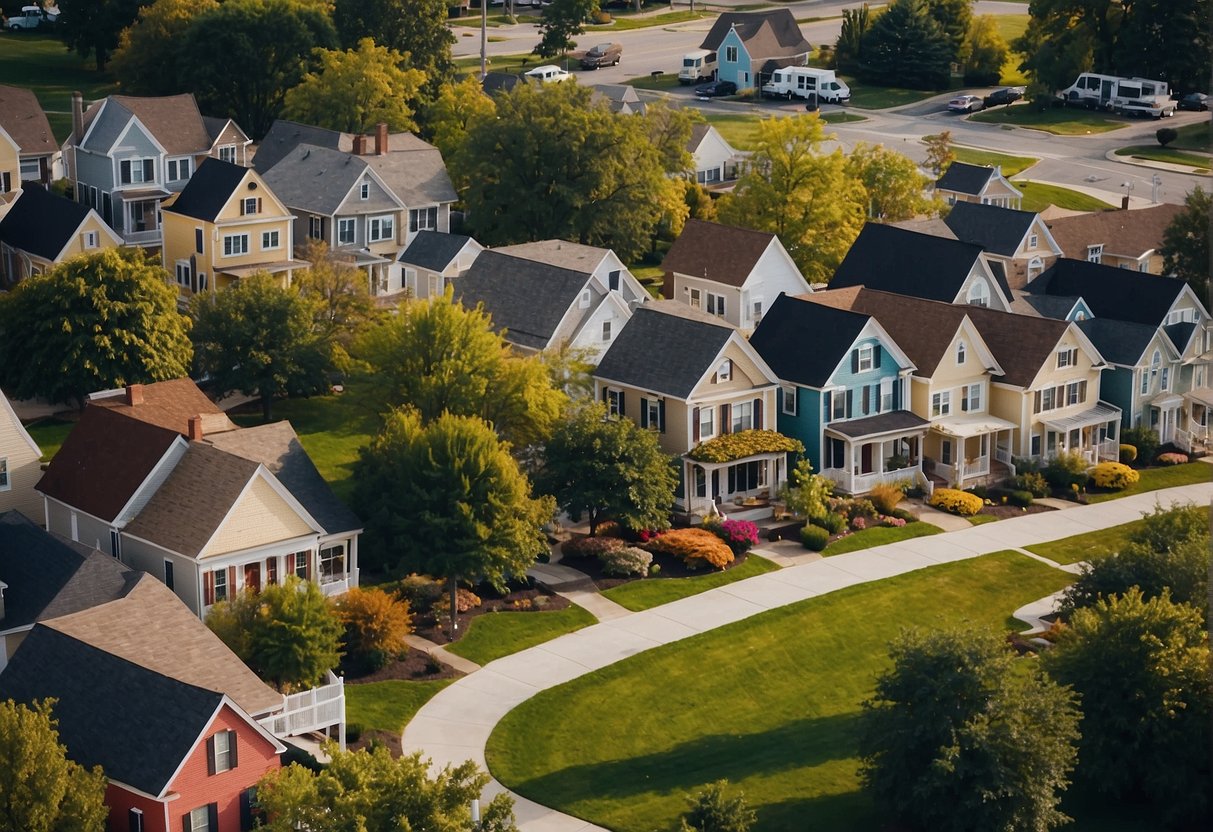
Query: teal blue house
[(751, 45), (844, 393)]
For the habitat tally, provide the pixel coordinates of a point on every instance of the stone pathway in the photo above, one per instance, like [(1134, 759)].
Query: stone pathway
[(579, 588), (441, 654)]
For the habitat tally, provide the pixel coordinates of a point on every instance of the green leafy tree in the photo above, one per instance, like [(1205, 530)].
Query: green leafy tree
[(1064, 38), (41, 790), (437, 357), (848, 48), (446, 498), (148, 59), (91, 323), (562, 21), (556, 164), (669, 130), (798, 191), (1167, 39), (906, 47), (958, 737), (700, 204), (895, 187), (1185, 243), (258, 338), (954, 18), (985, 52), (353, 91), (340, 299), (457, 106), (94, 27), (806, 494), (288, 634), (608, 467), (245, 55), (711, 811), (1142, 670), (372, 790), (939, 152), (416, 28)]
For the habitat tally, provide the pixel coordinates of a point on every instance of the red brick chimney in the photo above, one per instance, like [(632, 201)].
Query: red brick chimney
[(195, 429), (380, 139), (359, 145), (134, 394)]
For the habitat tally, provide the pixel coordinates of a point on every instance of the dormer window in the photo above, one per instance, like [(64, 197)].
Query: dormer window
[(1067, 358), (584, 301), (364, 190), (979, 294), (1095, 254), (960, 352), (250, 205), (90, 239), (725, 371)]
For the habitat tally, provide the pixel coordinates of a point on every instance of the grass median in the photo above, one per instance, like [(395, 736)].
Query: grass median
[(496, 634), (645, 594)]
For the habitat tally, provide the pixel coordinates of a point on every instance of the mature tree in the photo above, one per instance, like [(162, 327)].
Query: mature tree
[(797, 190), (1064, 38), (562, 21), (148, 60), (1185, 243), (446, 498), (340, 299), (700, 204), (1142, 670), (905, 47), (554, 163), (1166, 39), (958, 737), (848, 49), (608, 467), (954, 18), (669, 130), (457, 106), (374, 791), (93, 27), (91, 323), (939, 152), (895, 187), (288, 634), (355, 90), (41, 790), (258, 338), (711, 811), (437, 357), (985, 51), (245, 55), (415, 28)]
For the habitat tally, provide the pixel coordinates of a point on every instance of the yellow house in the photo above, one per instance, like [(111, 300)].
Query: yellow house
[(10, 163), (225, 225), (40, 230), (19, 465)]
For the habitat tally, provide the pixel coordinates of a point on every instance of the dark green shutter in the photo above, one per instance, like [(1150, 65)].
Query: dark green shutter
[(876, 350), (854, 361)]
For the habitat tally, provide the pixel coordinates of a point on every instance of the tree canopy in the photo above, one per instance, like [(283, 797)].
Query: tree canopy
[(895, 188), (986, 52), (337, 293), (94, 27), (149, 59), (93, 322), (450, 115), (954, 18), (562, 21), (939, 152), (906, 47), (1185, 242), (415, 28), (848, 48)]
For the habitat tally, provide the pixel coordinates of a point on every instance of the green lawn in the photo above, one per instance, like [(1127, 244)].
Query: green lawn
[(644, 594), (498, 634), (1154, 153), (879, 536), (623, 23), (883, 98), (50, 434), (771, 703), (41, 62), (1038, 196), (1011, 26), (741, 129), (512, 63), (388, 706), (1194, 137), (665, 81), (1011, 165), (1086, 546), (1153, 479), (982, 519), (1064, 121)]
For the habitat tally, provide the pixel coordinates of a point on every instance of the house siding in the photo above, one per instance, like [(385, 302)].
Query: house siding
[(120, 801), (261, 517), (806, 425), (10, 162), (733, 70), (24, 469), (1116, 387)]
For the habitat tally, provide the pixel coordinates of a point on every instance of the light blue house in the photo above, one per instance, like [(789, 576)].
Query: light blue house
[(752, 45), (845, 386)]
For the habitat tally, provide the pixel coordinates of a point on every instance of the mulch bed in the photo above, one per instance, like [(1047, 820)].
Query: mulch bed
[(435, 624), (414, 666), (1003, 512), (373, 736), (671, 567)]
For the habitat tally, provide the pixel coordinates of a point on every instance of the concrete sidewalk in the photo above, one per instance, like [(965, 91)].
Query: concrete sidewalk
[(455, 725)]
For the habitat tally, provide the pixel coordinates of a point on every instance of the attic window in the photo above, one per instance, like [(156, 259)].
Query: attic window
[(1033, 241), (979, 293), (725, 371), (865, 358), (960, 352), (584, 301), (364, 190), (90, 239), (1095, 254)]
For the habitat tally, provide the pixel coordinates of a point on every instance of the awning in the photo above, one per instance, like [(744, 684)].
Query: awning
[(143, 193), (272, 268), (1164, 401), (893, 422), (1200, 395), (971, 424), (1098, 415)]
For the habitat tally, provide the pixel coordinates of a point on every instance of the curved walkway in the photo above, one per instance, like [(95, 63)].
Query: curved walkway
[(455, 725)]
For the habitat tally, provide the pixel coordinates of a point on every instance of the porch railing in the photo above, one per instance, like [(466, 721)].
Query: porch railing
[(334, 587), (861, 483), (312, 710), (137, 238), (1108, 449)]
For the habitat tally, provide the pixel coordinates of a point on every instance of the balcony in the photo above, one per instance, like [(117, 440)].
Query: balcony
[(142, 238), (312, 710)]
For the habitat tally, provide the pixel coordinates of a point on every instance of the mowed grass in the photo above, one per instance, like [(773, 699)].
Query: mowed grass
[(1154, 153), (1087, 546), (496, 634), (624, 24), (1195, 136), (884, 98), (50, 434), (879, 536), (1011, 165), (1063, 121), (645, 594), (1011, 26), (771, 703), (741, 129), (1153, 479), (1038, 196), (388, 706), (42, 63)]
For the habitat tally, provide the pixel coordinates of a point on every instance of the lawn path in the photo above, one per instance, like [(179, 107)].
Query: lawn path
[(455, 724)]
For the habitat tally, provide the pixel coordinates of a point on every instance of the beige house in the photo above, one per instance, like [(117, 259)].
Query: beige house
[(963, 182), (39, 230), (1017, 242), (1124, 239), (19, 465), (10, 163), (23, 120), (431, 263)]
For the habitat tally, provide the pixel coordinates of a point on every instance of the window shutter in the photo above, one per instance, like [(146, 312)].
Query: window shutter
[(124, 172), (307, 560), (186, 826), (208, 588), (757, 414), (1074, 358), (964, 398), (259, 205), (605, 396), (726, 424), (1036, 402), (644, 412), (827, 411), (854, 361), (849, 402), (1059, 396), (866, 392), (661, 415), (695, 424), (876, 398), (210, 755), (622, 410), (231, 750), (242, 207), (231, 582), (896, 393), (212, 817), (198, 240), (1082, 391), (876, 351), (149, 170)]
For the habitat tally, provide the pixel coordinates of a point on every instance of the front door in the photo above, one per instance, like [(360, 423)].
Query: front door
[(252, 577), (1166, 427), (865, 458)]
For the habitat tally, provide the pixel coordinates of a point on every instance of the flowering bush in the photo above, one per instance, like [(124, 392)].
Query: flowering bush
[(626, 561), (730, 446), (859, 524), (591, 547), (740, 535), (894, 522), (645, 535), (1114, 475), (694, 547), (465, 600), (852, 507), (1171, 459), (956, 502)]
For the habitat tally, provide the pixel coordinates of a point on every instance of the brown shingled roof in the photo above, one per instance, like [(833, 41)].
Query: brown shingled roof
[(22, 118), (173, 119), (1021, 345), (170, 404), (716, 252), (1123, 233)]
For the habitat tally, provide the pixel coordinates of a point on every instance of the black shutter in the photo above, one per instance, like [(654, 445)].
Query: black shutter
[(866, 393), (695, 424), (210, 755), (661, 415), (849, 402), (757, 414), (854, 361), (826, 411), (1082, 391), (725, 423), (186, 826), (876, 351), (964, 398), (246, 810), (149, 170), (606, 398), (1036, 402), (124, 172), (212, 817), (897, 394), (232, 758), (644, 412), (622, 411), (198, 240)]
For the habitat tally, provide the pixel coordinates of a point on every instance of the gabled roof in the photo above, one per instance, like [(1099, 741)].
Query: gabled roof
[(964, 178), (173, 120), (277, 447), (526, 298), (42, 223), (1111, 292), (1048, 306), (46, 576), (805, 342), (1022, 345), (1120, 342), (666, 347), (215, 127), (433, 250), (721, 253), (209, 190), (21, 116), (906, 262), (1180, 335), (782, 33), (314, 178), (561, 253), (997, 230), (284, 136), (168, 404), (1124, 233), (699, 132)]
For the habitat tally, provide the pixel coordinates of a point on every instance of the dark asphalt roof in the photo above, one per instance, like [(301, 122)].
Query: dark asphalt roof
[(284, 136), (1120, 342), (804, 342), (1050, 306), (1180, 334), (41, 222), (525, 298), (907, 263), (208, 190), (663, 350), (893, 420), (964, 178), (995, 229), (433, 250), (1111, 292)]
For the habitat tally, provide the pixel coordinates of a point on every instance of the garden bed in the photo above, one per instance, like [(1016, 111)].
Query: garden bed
[(415, 665), (1003, 512), (435, 623), (671, 567)]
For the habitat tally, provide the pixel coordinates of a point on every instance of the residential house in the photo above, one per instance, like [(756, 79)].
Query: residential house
[(410, 168), (226, 225), (963, 182), (845, 392), (621, 98), (732, 273), (1019, 241), (553, 295), (1124, 239), (23, 121), (20, 468), (126, 155), (10, 164), (431, 262), (717, 164), (752, 45), (1143, 373), (925, 266), (338, 198), (692, 377), (39, 230)]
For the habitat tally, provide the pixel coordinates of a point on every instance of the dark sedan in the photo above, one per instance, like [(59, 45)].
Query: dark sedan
[(716, 89), (1197, 101), (1008, 95)]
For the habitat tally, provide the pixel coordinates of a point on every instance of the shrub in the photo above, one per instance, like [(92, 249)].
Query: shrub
[(1128, 453), (859, 524), (655, 570), (591, 547), (375, 625), (740, 535), (1020, 499), (1067, 470), (419, 591), (885, 496), (626, 561), (694, 547), (1166, 135), (1171, 459), (979, 491), (465, 600), (1114, 475), (892, 522), (1031, 481), (601, 18), (832, 523), (608, 528), (353, 732), (814, 538), (852, 507), (1146, 442), (954, 501)]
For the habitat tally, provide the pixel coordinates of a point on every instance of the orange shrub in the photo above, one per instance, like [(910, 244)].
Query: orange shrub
[(694, 547), (375, 622)]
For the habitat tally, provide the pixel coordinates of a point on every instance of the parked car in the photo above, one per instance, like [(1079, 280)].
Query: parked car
[(716, 89), (31, 17), (1197, 101), (1146, 109), (547, 74), (1003, 96), (965, 104), (604, 54)]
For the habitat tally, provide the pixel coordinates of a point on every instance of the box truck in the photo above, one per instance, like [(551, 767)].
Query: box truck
[(699, 65)]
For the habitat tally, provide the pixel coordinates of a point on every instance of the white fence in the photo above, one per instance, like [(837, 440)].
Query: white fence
[(312, 710)]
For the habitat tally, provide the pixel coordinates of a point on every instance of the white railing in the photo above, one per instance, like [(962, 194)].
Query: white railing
[(1183, 440), (312, 710), (962, 471), (136, 238), (862, 483), (1108, 449), (1003, 455), (334, 587)]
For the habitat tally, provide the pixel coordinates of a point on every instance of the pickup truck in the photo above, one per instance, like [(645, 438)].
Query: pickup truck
[(604, 54), (547, 74), (1146, 108)]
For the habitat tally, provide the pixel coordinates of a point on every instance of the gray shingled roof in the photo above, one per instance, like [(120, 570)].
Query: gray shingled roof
[(880, 423), (1180, 334), (995, 229), (1111, 292), (964, 178), (41, 222), (314, 178), (1049, 306), (785, 31), (804, 342), (663, 350), (1119, 342), (908, 263), (433, 250), (208, 190), (284, 136)]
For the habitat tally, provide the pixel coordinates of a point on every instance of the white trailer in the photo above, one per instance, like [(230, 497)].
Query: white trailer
[(1111, 92), (699, 65), (806, 82)]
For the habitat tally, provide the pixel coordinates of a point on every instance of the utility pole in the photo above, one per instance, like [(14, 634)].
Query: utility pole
[(484, 38)]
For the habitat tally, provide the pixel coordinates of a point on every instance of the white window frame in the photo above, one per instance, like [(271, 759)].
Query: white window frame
[(1048, 399), (230, 246), (725, 371), (654, 414), (423, 219), (227, 153), (1063, 358), (91, 239), (266, 236), (223, 763), (606, 330), (972, 396), (205, 818), (741, 416), (183, 272), (730, 54), (886, 395), (364, 191), (180, 170), (29, 170), (787, 400), (248, 206), (6, 482), (135, 163), (756, 310), (135, 819), (961, 352), (941, 403), (866, 359), (219, 576), (1164, 379), (347, 231), (315, 227), (330, 576), (613, 404), (979, 293), (716, 304), (299, 565), (1095, 253), (1033, 241), (381, 229), (838, 404), (707, 422), (584, 301), (694, 297)]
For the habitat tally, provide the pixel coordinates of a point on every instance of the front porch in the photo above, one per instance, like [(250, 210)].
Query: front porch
[(225, 277), (1192, 433), (863, 453), (138, 216), (1093, 434), (332, 565), (970, 450), (742, 489)]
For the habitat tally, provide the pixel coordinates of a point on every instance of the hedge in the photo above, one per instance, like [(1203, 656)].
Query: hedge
[(956, 501), (694, 547), (1114, 475)]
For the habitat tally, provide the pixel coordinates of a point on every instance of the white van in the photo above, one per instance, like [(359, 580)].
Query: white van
[(805, 82), (699, 65)]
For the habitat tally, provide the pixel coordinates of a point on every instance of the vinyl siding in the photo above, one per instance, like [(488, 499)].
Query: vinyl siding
[(148, 558), (261, 517), (10, 162), (1116, 387), (806, 425), (732, 70), (24, 470)]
